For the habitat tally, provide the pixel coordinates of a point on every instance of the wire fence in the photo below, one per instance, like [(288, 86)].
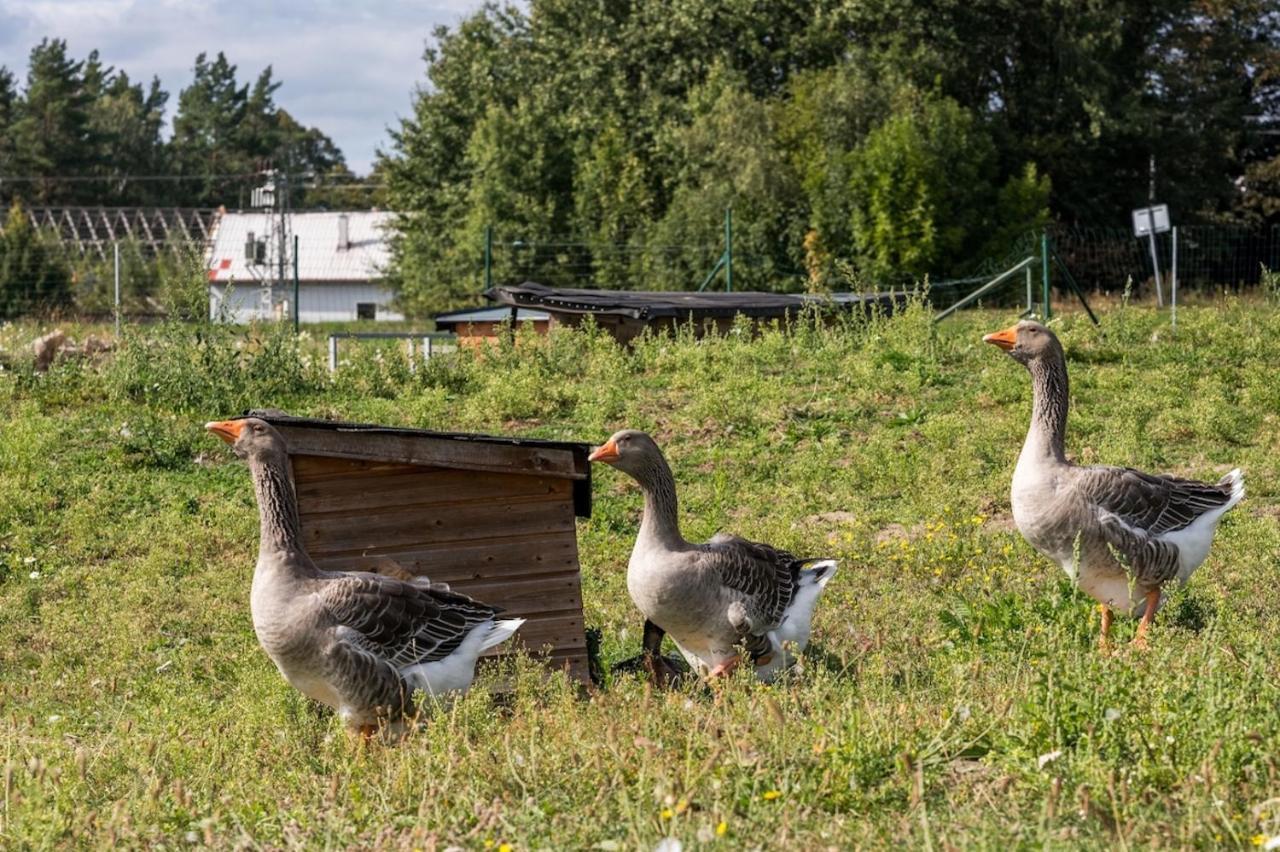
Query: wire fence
[(1207, 255), (569, 262), (174, 281)]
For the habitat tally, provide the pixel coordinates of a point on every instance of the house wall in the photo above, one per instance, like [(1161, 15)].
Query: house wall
[(321, 302)]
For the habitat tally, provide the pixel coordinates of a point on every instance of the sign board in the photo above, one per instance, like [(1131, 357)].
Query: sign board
[(1149, 220)]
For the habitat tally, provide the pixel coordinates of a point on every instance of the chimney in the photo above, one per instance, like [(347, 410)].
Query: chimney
[(344, 232)]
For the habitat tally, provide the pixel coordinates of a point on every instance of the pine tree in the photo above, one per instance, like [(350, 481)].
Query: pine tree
[(32, 278), (53, 135)]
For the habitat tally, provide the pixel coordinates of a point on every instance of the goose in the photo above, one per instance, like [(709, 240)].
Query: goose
[(360, 643), (717, 599), (1121, 534)]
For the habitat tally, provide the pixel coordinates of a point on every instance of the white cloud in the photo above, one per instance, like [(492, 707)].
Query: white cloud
[(348, 68)]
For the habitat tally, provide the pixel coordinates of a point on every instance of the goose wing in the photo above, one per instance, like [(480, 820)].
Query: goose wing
[(1137, 511), (764, 575), (400, 623), (1153, 504)]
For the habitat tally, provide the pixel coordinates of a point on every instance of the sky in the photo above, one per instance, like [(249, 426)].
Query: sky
[(348, 68)]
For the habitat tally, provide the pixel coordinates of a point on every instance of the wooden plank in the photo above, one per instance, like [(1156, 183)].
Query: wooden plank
[(431, 525), (453, 562), (317, 469), (390, 489), (435, 451), (564, 631)]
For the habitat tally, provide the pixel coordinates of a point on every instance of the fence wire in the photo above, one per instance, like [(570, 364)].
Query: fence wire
[(1208, 255)]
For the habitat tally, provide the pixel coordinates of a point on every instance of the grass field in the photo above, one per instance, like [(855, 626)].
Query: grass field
[(953, 696)]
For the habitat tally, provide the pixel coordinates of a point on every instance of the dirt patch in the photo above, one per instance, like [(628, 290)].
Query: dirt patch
[(825, 518), (895, 531)]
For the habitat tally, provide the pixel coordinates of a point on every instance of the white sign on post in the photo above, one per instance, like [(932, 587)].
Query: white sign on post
[(1147, 222)]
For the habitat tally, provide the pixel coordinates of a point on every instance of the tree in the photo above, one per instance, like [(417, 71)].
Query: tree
[(53, 134), (32, 278), (226, 133), (912, 181), (8, 118), (127, 124)]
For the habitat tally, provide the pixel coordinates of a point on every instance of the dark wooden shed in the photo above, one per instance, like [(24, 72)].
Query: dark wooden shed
[(627, 313), (491, 516)]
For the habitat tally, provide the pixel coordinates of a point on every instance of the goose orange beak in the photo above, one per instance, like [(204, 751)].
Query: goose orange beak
[(227, 430), (608, 452), (1005, 338)]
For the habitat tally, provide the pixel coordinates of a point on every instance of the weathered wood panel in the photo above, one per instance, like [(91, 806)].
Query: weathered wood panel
[(394, 487), (504, 538), (433, 451), (452, 562)]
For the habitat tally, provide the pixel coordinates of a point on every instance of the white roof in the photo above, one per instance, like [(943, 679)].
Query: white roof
[(319, 256)]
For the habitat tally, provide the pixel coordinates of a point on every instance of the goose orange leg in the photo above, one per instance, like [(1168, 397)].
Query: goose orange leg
[(1148, 615), (1106, 625)]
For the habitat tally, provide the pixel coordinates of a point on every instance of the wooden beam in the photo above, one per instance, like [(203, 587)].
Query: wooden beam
[(434, 451)]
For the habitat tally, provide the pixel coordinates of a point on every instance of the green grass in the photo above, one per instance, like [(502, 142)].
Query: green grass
[(953, 696)]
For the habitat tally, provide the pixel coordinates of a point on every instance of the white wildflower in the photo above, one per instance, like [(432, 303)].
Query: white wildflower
[(1045, 759), (1111, 714)]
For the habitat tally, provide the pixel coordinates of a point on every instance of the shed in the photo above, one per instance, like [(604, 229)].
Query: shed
[(626, 313), (475, 326), (491, 516)]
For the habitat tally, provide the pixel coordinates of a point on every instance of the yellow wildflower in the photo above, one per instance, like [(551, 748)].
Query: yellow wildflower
[(722, 828), (667, 813), (504, 847), (770, 795)]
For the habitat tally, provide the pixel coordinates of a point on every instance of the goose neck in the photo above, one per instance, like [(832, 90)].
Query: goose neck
[(660, 523), (280, 530), (1047, 435)]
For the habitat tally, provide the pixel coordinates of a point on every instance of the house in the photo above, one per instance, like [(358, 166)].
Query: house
[(476, 326), (493, 517), (340, 263)]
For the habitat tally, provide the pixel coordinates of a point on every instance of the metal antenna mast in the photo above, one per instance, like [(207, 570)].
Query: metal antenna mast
[(269, 255)]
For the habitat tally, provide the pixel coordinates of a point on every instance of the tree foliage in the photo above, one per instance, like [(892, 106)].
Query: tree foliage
[(895, 138), (88, 134), (32, 275)]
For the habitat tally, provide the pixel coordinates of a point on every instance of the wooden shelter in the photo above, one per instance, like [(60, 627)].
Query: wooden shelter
[(627, 313), (493, 517)]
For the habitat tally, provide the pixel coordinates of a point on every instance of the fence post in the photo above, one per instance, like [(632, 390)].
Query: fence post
[(116, 247), (1044, 268), (333, 353), (728, 249), (1155, 263), (297, 304), (488, 256), (1174, 274), (1031, 304)]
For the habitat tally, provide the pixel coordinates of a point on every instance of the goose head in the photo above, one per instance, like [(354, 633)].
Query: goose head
[(1027, 342), (630, 451), (250, 437)]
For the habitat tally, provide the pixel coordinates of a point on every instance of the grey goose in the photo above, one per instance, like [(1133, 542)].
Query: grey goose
[(719, 599), (1121, 534), (360, 643)]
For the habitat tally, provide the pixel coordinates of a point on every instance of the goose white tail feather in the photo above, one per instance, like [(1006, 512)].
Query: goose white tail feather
[(501, 632)]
